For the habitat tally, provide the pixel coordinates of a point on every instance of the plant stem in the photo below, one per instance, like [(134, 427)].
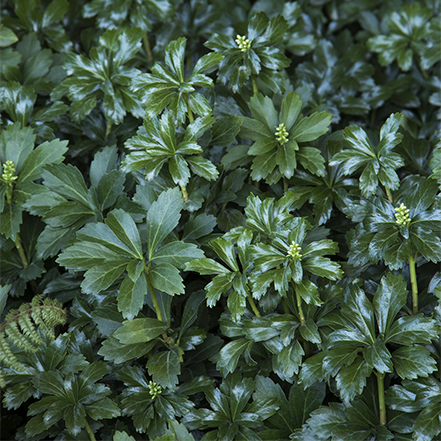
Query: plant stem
[(190, 114), (413, 281), (108, 128), (184, 193), (255, 89), (89, 431), (389, 194), (153, 294), (299, 306), (381, 402), (147, 48), (253, 305), (21, 251), (9, 194)]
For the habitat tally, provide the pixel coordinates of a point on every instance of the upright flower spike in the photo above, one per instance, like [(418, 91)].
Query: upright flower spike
[(402, 215), (243, 43), (154, 389), (8, 178), (281, 134), (294, 251), (8, 173)]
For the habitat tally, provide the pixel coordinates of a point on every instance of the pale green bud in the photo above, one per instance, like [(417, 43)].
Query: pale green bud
[(281, 134), (402, 216), (243, 43)]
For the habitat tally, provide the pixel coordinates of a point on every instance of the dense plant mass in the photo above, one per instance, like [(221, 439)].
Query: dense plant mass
[(220, 220)]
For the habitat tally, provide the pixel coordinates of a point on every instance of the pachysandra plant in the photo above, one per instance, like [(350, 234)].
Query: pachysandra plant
[(254, 55), (277, 136), (157, 144), (168, 87), (220, 220)]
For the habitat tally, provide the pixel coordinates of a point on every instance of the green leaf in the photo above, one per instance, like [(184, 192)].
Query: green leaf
[(323, 267), (131, 296), (287, 362), (409, 330), (67, 181), (203, 167), (390, 297), (309, 331), (16, 144), (225, 250), (206, 266), (225, 130), (3, 297), (308, 292), (218, 286), (379, 357), (191, 308), (166, 278), (229, 355), (428, 425), (140, 330), (100, 277), (163, 217), (351, 380), (109, 188), (412, 362), (112, 349), (199, 226), (7, 36), (290, 110), (165, 367), (177, 253), (124, 227), (122, 436), (311, 127)]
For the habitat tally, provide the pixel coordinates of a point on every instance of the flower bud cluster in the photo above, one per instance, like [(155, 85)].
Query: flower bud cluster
[(294, 251), (281, 134), (8, 173), (402, 216), (243, 43), (154, 389)]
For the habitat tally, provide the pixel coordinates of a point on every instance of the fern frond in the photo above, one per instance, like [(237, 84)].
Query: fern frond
[(23, 327)]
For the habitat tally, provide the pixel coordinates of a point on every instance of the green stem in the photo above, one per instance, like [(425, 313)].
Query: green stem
[(389, 194), (413, 281), (184, 193), (147, 48), (21, 251), (253, 305), (153, 294), (285, 185), (381, 402), (108, 128), (9, 194), (89, 431), (299, 306), (190, 114), (255, 89)]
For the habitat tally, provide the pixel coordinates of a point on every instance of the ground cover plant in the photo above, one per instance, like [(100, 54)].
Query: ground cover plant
[(220, 220)]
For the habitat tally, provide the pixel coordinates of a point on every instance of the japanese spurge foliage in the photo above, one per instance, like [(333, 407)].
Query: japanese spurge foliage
[(220, 220)]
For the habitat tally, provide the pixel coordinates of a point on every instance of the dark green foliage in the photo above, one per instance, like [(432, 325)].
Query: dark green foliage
[(220, 220)]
